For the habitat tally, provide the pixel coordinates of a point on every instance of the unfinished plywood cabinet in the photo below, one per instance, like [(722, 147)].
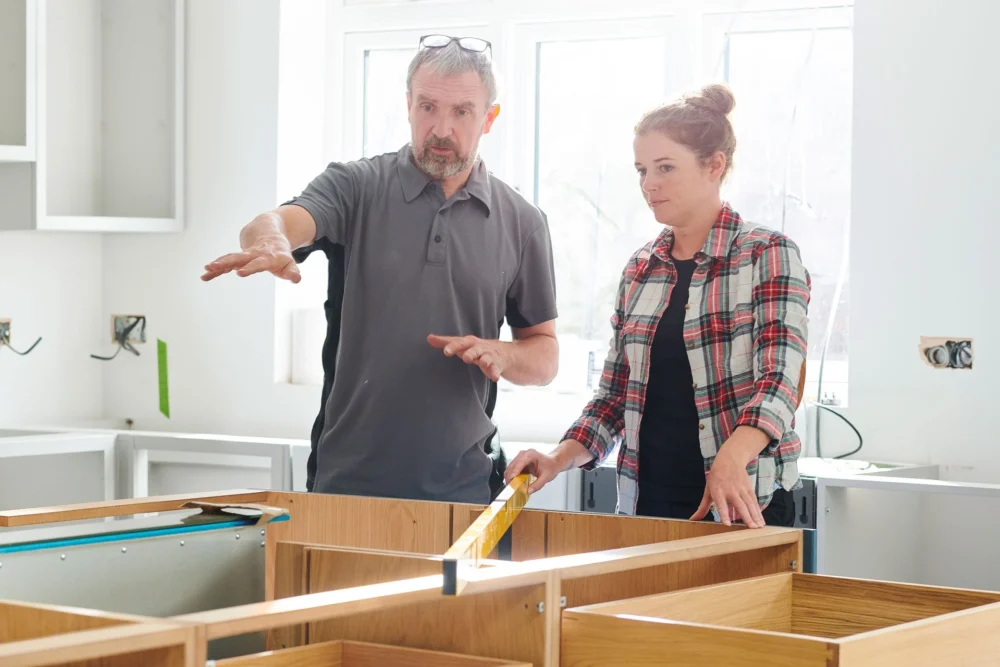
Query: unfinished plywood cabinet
[(361, 654), (34, 635), (97, 116), (353, 581), (788, 620)]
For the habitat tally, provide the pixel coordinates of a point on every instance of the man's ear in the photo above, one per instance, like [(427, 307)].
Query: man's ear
[(491, 116)]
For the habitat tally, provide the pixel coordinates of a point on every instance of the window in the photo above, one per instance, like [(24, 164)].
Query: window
[(590, 82), (791, 75), (385, 125), (574, 79)]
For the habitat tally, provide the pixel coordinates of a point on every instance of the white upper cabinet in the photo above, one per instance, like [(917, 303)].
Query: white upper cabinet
[(108, 107), (18, 26)]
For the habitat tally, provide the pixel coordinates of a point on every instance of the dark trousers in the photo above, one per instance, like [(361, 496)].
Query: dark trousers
[(780, 512)]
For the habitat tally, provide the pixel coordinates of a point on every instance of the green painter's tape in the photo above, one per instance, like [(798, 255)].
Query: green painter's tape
[(161, 359)]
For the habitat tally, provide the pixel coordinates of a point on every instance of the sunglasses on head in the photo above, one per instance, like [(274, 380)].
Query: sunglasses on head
[(473, 44)]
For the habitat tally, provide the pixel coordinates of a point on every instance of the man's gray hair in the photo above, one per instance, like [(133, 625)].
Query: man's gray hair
[(453, 60)]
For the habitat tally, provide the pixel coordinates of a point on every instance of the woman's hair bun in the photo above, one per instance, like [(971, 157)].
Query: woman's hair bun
[(714, 97)]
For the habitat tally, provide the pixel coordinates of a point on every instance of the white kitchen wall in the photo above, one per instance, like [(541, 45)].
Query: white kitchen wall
[(50, 286), (220, 335), (925, 230)]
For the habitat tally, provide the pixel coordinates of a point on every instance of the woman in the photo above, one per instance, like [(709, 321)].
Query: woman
[(704, 372)]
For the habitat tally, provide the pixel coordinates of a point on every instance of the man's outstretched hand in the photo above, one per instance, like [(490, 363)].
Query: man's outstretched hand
[(270, 254), (489, 355)]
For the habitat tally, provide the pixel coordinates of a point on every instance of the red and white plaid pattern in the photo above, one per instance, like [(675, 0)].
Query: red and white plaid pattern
[(746, 330)]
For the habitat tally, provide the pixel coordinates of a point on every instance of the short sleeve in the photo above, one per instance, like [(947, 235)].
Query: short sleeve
[(332, 200), (531, 298)]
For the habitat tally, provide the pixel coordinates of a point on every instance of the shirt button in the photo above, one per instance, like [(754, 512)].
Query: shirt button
[(701, 427), (437, 239), (694, 385), (687, 306)]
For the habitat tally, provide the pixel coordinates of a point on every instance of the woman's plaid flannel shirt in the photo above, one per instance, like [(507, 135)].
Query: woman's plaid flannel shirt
[(746, 330)]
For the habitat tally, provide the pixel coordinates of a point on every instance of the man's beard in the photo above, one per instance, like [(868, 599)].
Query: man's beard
[(443, 166)]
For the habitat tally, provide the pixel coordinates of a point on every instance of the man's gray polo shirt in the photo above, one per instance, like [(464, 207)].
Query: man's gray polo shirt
[(404, 420)]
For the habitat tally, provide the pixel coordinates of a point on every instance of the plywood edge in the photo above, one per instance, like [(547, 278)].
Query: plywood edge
[(66, 610), (589, 615), (325, 653), (314, 546), (966, 637), (811, 582), (628, 558), (97, 510), (614, 606), (92, 644), (761, 603), (290, 579), (313, 607), (417, 656), (596, 639)]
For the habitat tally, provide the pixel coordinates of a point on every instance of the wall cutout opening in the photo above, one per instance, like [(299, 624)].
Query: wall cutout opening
[(951, 353)]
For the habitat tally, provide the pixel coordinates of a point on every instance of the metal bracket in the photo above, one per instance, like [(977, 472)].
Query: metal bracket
[(562, 605)]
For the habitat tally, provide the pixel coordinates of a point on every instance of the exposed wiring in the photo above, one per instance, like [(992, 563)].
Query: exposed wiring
[(6, 343), (842, 275), (722, 62), (122, 339), (861, 441)]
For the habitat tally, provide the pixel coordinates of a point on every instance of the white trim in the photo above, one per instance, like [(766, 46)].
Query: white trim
[(31, 79), (406, 14), (16, 154), (146, 449), (26, 152), (41, 111), (524, 41), (54, 444), (97, 223), (180, 114), (51, 444), (208, 459)]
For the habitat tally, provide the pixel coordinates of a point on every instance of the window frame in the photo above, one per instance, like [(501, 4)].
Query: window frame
[(525, 43), (356, 46), (692, 29)]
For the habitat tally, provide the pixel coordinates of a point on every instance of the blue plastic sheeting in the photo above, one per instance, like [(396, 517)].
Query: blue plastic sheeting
[(133, 535)]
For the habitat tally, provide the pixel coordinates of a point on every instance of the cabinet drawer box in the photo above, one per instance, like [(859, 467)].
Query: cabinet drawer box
[(785, 620)]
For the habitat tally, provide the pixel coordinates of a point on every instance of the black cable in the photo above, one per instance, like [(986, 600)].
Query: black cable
[(6, 343), (861, 441), (122, 340)]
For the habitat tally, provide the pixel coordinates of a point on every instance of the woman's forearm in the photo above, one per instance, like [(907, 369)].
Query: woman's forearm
[(571, 454)]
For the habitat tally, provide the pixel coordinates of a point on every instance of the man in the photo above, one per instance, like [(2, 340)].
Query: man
[(437, 252)]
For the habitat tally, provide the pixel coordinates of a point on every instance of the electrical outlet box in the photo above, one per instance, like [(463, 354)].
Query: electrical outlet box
[(4, 332), (952, 353), (119, 323)]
